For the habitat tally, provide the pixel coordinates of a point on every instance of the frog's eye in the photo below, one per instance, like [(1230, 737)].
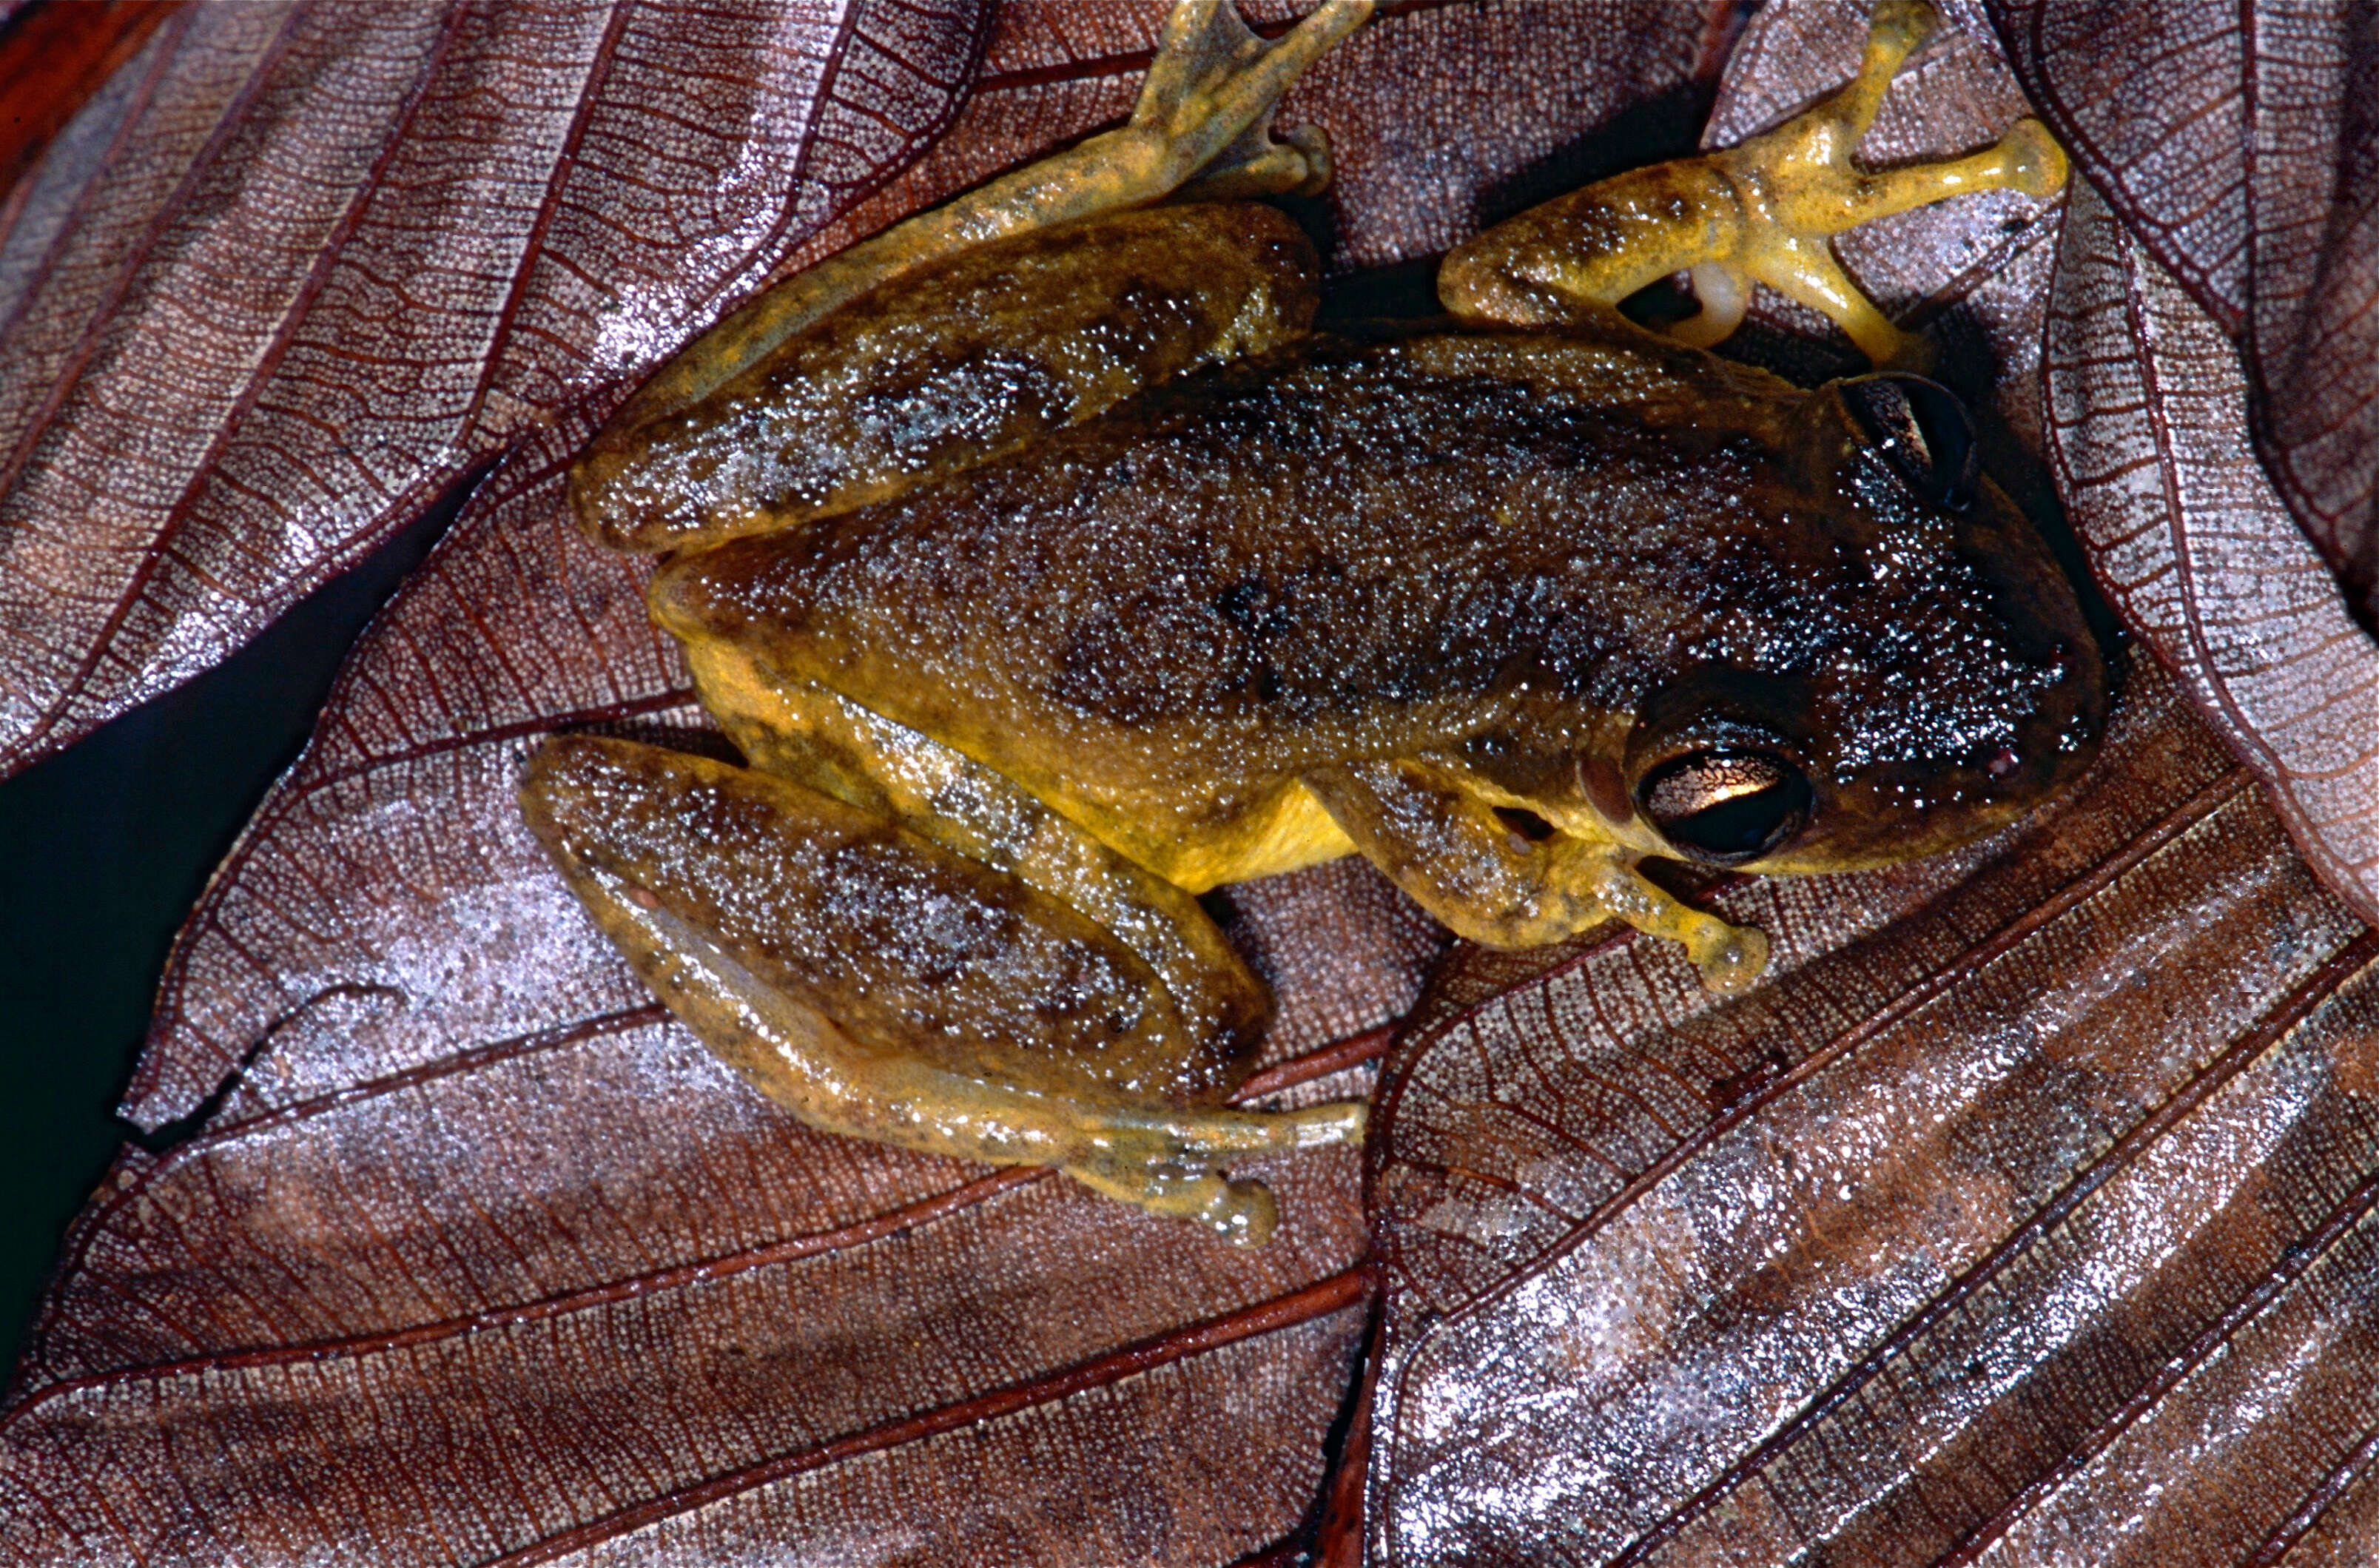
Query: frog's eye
[(1922, 430), (1723, 807)]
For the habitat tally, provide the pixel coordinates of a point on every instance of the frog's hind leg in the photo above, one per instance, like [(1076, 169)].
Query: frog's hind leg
[(1762, 212), (1205, 109), (1034, 303), (880, 985), (960, 364)]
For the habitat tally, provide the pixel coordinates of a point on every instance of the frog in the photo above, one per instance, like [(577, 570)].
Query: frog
[(1047, 569)]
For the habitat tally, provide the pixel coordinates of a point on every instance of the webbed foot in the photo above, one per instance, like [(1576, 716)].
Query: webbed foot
[(1204, 122), (1763, 211), (1801, 188)]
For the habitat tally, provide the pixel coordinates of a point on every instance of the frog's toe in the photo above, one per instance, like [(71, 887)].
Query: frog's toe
[(1730, 958), (2034, 164), (1723, 294), (1205, 111), (1254, 165), (1243, 1212), (1169, 1162)]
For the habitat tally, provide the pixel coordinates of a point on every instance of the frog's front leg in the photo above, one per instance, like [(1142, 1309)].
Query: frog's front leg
[(878, 984), (1487, 881), (1759, 213)]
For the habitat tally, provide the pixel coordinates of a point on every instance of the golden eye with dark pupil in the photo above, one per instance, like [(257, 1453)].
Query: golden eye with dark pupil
[(1725, 807)]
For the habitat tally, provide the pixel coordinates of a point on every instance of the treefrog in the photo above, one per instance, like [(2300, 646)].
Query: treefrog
[(1048, 568)]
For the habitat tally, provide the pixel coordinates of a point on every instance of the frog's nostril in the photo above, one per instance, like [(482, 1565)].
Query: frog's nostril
[(2003, 762)]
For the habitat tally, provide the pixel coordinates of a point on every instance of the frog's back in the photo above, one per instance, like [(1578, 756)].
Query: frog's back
[(1340, 552)]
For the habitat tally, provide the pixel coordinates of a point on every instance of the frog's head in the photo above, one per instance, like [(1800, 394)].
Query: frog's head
[(1908, 669)]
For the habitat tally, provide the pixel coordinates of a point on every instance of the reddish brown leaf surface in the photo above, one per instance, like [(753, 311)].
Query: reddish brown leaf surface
[(52, 59), (2238, 145), (2148, 414), (299, 265), (477, 1257)]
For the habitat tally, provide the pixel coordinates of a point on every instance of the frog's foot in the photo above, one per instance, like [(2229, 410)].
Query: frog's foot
[(1203, 122), (1760, 212), (1730, 958), (1799, 187), (1170, 1162), (880, 985), (1443, 844)]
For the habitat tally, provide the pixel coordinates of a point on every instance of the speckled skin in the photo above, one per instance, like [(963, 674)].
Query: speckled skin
[(1494, 551), (975, 357), (1051, 572)]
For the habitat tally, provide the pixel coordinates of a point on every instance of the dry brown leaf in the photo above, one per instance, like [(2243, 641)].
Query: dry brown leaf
[(1981, 1233), (2148, 419), (2237, 144), (298, 266), (52, 59)]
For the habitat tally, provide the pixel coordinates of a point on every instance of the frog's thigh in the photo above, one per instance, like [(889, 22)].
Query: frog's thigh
[(1485, 881), (954, 365), (1760, 212), (805, 732), (1202, 121), (879, 986)]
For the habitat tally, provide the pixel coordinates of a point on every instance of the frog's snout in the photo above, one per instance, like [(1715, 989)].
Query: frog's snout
[(1984, 746)]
